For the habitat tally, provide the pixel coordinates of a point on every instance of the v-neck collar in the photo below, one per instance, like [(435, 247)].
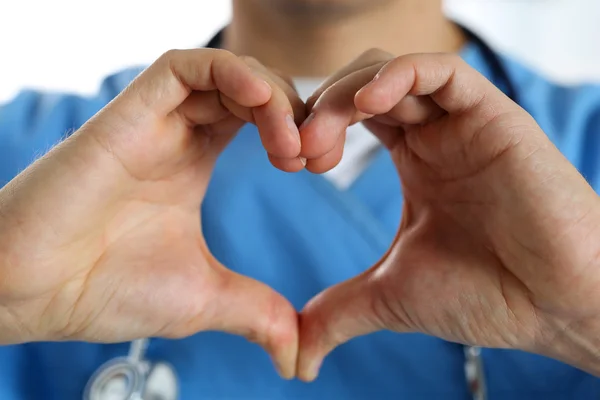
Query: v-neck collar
[(374, 187), (374, 199)]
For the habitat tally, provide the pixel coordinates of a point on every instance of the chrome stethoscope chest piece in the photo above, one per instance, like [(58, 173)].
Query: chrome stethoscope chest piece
[(132, 378)]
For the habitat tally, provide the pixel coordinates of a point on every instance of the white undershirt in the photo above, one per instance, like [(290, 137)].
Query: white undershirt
[(359, 148)]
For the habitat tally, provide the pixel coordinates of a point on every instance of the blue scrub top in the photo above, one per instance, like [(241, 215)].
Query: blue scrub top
[(299, 234)]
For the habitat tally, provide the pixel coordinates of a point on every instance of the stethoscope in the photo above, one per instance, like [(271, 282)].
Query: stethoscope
[(131, 377)]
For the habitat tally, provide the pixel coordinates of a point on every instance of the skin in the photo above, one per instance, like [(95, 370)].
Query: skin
[(499, 241), (315, 38), (100, 239), (498, 245), (291, 35)]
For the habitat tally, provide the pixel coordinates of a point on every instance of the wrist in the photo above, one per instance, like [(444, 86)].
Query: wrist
[(16, 324), (10, 325), (576, 343), (569, 328)]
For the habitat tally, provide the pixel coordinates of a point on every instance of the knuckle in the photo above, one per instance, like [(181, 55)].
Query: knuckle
[(454, 59), (311, 101), (450, 59), (171, 54), (177, 54), (331, 336), (376, 54), (320, 99), (278, 72), (253, 335), (219, 54), (281, 75), (250, 61), (278, 324)]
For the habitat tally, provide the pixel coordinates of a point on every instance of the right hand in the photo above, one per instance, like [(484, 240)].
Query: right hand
[(101, 239)]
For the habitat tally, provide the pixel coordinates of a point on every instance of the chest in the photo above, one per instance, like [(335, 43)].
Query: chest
[(297, 232)]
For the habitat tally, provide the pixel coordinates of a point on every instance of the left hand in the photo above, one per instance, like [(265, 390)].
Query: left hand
[(499, 243)]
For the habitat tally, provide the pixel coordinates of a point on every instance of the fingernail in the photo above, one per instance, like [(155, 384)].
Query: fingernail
[(307, 121), (268, 86), (374, 78), (303, 160), (370, 83), (289, 120)]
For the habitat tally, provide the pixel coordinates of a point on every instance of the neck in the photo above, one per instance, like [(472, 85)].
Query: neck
[(304, 38)]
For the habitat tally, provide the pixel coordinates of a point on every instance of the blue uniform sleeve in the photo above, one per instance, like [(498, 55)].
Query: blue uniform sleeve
[(33, 122)]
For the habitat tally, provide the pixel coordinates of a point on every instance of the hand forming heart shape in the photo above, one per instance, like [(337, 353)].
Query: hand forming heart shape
[(476, 260)]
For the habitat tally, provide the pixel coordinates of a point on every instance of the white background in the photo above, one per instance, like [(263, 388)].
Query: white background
[(71, 44)]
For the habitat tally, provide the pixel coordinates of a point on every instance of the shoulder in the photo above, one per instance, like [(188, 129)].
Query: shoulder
[(568, 113), (34, 106), (34, 121), (563, 110)]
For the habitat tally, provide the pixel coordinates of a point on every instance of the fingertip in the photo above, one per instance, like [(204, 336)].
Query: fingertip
[(310, 370), (284, 356), (312, 353), (372, 99), (263, 316), (332, 318), (290, 165), (283, 344), (386, 89), (237, 80), (318, 167), (320, 134), (359, 99), (261, 91), (327, 162), (279, 135), (266, 89)]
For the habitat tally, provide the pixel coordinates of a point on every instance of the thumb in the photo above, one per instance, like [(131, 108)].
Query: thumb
[(333, 317), (253, 310)]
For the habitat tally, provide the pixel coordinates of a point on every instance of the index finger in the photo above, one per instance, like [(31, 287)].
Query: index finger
[(448, 80), (163, 86), (365, 60), (323, 146), (333, 113)]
